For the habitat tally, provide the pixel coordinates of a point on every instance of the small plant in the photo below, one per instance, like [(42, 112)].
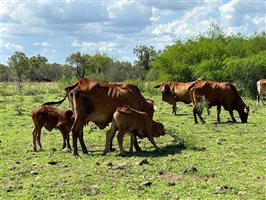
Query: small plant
[(19, 106)]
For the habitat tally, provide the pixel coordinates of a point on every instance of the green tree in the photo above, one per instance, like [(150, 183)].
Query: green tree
[(37, 67), (77, 61), (145, 55), (4, 73), (19, 63)]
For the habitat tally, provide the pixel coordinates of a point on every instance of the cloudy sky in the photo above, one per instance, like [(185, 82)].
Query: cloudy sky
[(57, 28)]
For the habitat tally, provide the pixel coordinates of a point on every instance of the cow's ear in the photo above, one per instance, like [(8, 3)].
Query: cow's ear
[(157, 86), (246, 109), (167, 88)]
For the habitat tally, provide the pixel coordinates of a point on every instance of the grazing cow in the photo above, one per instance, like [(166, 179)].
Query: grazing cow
[(218, 94), (261, 88), (137, 123), (97, 101), (50, 118), (175, 91)]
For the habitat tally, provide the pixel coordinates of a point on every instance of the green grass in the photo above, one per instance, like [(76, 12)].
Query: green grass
[(225, 155)]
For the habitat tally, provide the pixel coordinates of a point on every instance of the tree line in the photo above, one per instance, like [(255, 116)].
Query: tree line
[(213, 55)]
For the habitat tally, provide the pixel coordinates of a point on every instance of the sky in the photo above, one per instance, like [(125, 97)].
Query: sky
[(55, 29)]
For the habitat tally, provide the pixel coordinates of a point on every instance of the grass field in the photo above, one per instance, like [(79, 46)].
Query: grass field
[(217, 161)]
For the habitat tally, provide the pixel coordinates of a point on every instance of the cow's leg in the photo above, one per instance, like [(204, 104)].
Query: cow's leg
[(218, 113), (109, 137), (34, 134), (81, 141), (232, 115), (38, 131), (76, 129), (199, 112), (120, 137), (195, 115), (63, 132), (151, 139), (132, 142), (258, 99), (136, 144), (174, 109), (67, 140)]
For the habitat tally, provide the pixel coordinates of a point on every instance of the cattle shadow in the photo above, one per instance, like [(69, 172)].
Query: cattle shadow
[(170, 149)]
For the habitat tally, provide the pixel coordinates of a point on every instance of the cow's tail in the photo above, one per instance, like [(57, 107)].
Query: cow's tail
[(50, 103), (190, 89)]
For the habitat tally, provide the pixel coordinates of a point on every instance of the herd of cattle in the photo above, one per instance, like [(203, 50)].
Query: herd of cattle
[(129, 112)]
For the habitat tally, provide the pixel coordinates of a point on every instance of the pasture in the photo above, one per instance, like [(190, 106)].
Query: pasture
[(215, 161)]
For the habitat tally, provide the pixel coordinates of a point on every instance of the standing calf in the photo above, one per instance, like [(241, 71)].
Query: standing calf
[(51, 118), (137, 123)]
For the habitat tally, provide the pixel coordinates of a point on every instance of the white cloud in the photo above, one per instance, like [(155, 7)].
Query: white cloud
[(116, 27), (10, 46), (44, 44), (94, 46)]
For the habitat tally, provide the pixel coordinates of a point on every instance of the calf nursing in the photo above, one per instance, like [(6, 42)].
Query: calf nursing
[(50, 118), (136, 123)]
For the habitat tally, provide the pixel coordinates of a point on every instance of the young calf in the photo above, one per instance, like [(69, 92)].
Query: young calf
[(137, 123), (51, 118)]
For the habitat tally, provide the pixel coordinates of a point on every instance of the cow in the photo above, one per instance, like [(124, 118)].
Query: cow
[(137, 123), (175, 91), (51, 118), (217, 94), (97, 101), (261, 88)]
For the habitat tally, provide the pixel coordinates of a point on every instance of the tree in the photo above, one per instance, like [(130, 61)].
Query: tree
[(37, 67), (4, 73), (145, 55), (77, 61), (19, 63)]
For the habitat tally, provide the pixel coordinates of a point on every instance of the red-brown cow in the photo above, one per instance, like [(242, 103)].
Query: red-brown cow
[(175, 91), (261, 88), (97, 101), (50, 118), (218, 94), (137, 123)]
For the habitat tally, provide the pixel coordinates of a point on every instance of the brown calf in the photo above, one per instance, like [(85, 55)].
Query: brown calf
[(50, 118), (137, 123)]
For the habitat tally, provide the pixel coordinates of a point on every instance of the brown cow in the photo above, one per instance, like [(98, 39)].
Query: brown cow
[(50, 118), (137, 123), (175, 91), (218, 94), (261, 88), (97, 101)]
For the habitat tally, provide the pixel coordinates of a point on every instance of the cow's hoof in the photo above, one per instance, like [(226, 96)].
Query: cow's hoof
[(104, 152), (68, 150), (122, 154), (111, 149), (85, 151)]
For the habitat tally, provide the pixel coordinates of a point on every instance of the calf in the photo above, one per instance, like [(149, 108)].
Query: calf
[(137, 123), (51, 118), (261, 88)]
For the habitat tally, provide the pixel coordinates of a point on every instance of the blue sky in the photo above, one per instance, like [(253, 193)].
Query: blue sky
[(57, 28)]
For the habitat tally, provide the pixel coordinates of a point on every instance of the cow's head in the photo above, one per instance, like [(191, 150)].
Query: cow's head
[(167, 94), (164, 87), (157, 129), (244, 114)]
